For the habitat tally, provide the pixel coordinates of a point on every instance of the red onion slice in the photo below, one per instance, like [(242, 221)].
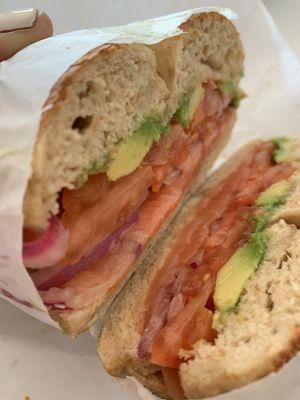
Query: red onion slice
[(163, 310), (48, 249), (157, 321), (57, 277), (74, 298)]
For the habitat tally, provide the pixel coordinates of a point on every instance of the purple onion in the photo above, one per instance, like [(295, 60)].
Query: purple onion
[(60, 277), (49, 249)]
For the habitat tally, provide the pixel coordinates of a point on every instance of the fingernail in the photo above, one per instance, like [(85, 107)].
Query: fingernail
[(19, 19)]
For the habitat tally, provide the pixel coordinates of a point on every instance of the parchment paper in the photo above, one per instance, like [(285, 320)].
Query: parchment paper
[(272, 108)]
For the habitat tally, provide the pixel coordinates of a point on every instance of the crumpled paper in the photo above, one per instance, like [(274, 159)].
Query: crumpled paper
[(25, 83), (272, 108)]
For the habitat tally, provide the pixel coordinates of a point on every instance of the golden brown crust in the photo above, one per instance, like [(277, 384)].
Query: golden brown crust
[(285, 354)]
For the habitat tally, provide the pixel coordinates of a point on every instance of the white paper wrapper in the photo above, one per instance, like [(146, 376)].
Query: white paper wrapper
[(272, 108), (25, 83)]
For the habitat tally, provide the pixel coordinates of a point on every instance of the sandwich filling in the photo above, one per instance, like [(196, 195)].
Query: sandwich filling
[(211, 259), (103, 226)]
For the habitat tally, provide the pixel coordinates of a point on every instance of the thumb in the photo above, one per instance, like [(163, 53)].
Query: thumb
[(20, 28)]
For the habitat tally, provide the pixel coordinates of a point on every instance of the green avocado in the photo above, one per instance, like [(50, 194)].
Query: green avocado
[(231, 88), (283, 148), (188, 106), (233, 276), (95, 168), (236, 100), (228, 87), (131, 151), (274, 196)]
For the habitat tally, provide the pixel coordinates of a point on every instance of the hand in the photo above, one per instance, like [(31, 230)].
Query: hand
[(20, 28)]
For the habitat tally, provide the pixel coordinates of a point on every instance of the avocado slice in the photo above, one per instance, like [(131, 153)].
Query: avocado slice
[(237, 97), (96, 167), (283, 149), (232, 277), (188, 106), (275, 195), (131, 151), (229, 87)]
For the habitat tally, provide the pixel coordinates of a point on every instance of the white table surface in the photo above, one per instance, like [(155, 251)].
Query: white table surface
[(19, 375)]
